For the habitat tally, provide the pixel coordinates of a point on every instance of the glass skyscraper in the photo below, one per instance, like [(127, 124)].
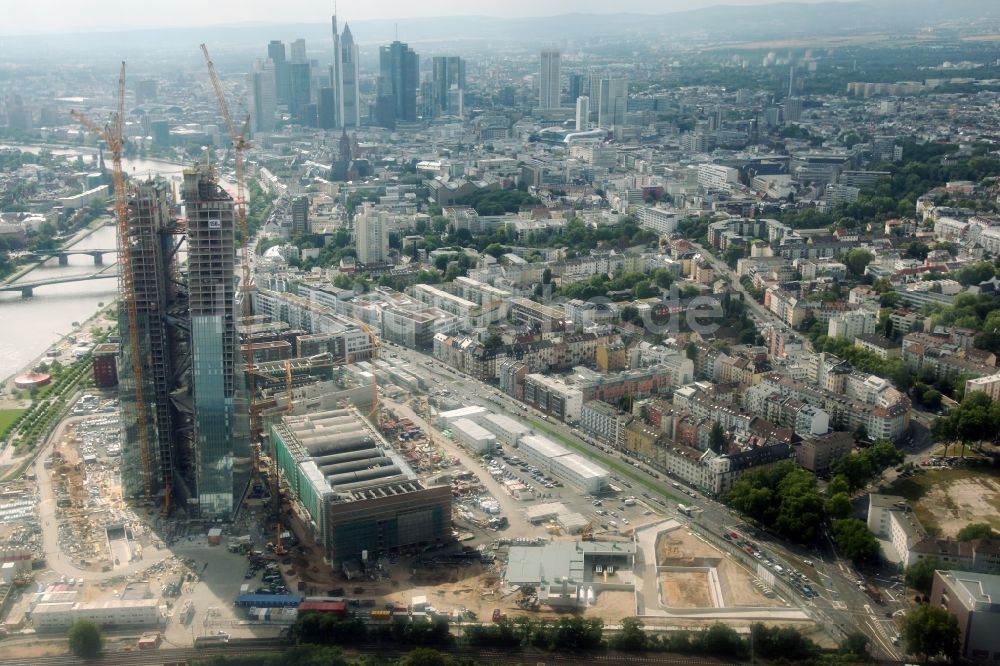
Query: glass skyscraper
[(211, 296)]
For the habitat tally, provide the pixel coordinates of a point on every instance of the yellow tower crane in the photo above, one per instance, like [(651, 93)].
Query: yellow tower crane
[(112, 135), (240, 145)]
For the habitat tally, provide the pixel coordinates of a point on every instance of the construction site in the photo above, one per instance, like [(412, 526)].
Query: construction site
[(271, 456)]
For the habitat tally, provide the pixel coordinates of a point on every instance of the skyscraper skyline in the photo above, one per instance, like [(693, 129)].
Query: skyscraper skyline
[(549, 88), (582, 113), (262, 83), (350, 96), (446, 72), (399, 78), (276, 53), (344, 78), (612, 101), (299, 91)]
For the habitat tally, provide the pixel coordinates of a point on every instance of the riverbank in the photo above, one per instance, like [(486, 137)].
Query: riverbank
[(8, 392), (8, 400), (79, 236)]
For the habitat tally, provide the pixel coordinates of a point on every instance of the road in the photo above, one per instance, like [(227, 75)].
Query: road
[(760, 314), (840, 607), (508, 504)]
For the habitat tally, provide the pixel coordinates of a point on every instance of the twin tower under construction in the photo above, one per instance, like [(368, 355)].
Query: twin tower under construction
[(195, 451)]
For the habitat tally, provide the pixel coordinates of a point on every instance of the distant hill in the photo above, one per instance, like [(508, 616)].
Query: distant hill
[(777, 21)]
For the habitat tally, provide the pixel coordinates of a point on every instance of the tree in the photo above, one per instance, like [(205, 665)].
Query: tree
[(854, 541), (839, 506), (426, 657), (630, 314), (631, 638), (305, 655), (721, 640), (860, 433), (931, 398), (977, 531), (493, 341), (855, 644), (732, 256), (930, 631), (857, 260), (85, 639), (920, 574), (718, 440)]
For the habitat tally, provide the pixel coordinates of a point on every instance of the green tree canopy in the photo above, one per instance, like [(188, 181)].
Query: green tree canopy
[(930, 631), (854, 541), (85, 639), (977, 531), (920, 574), (857, 260)]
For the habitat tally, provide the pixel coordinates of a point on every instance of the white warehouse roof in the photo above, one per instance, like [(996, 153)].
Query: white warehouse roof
[(583, 467), (461, 413), (508, 424), (542, 446), (472, 430)]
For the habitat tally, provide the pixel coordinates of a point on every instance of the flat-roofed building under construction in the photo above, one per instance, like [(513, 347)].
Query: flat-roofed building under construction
[(360, 495)]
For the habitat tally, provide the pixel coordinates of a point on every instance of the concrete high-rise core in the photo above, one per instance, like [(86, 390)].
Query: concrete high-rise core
[(153, 269), (300, 215)]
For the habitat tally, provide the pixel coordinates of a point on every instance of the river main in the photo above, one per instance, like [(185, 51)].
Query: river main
[(29, 327)]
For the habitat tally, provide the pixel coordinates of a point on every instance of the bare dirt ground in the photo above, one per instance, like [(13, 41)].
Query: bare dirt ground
[(946, 500), (681, 548), (738, 588), (34, 648), (612, 606), (963, 501), (686, 589)]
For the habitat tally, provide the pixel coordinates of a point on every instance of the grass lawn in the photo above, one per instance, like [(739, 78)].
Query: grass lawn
[(610, 463), (7, 416)]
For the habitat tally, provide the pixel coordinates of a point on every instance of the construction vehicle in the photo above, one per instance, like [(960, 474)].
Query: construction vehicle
[(112, 136)]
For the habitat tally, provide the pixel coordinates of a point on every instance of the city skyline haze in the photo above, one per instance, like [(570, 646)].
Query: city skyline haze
[(59, 16)]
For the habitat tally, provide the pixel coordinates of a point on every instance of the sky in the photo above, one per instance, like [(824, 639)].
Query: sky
[(26, 17)]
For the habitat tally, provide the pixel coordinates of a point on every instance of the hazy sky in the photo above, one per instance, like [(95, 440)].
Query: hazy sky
[(18, 17)]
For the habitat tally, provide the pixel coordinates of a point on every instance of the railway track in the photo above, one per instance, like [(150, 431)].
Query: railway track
[(267, 647), (262, 648)]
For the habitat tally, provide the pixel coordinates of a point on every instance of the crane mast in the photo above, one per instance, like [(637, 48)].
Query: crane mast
[(112, 135), (240, 145)]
